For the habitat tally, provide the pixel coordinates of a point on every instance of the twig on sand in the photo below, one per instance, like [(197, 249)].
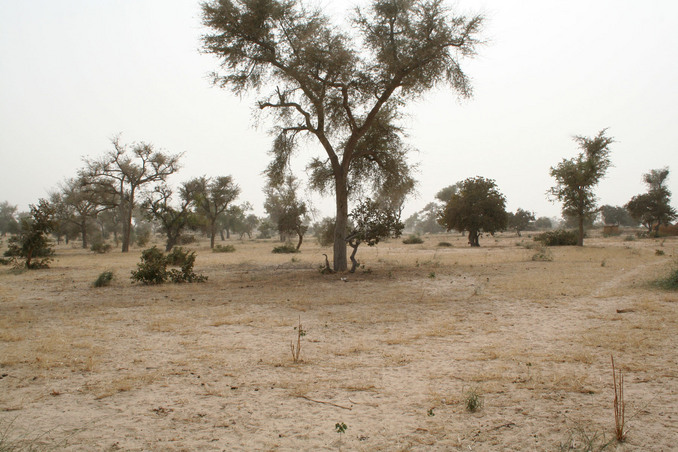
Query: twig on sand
[(326, 403)]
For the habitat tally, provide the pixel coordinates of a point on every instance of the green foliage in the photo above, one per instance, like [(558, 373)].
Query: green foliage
[(413, 240), (101, 247), (223, 249), (104, 279), (285, 209), (31, 243), (153, 267), (543, 254), (520, 221), (211, 198), (543, 223), (559, 237), (476, 206), (616, 215), (287, 248), (670, 282), (444, 244), (340, 427), (577, 177)]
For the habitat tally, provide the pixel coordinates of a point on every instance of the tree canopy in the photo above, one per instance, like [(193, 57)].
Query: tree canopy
[(577, 177), (343, 88), (476, 206)]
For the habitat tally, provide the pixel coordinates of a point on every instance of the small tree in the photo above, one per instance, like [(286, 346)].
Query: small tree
[(520, 220), (211, 198), (653, 208), (577, 177), (477, 206), (173, 220), (372, 222), (286, 209), (32, 243), (543, 223)]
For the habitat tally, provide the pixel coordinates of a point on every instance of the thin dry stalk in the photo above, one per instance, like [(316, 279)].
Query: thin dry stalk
[(619, 404), (296, 351)]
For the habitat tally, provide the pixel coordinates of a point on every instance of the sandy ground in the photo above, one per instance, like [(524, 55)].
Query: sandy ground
[(392, 351)]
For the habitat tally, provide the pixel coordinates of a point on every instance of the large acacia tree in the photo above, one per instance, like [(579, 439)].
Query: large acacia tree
[(653, 208), (577, 177), (344, 89)]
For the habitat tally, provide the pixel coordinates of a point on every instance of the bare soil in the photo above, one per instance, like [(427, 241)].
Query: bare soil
[(392, 351)]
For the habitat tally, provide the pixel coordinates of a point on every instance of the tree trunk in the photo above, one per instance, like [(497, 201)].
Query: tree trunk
[(171, 241), (473, 238), (83, 232), (228, 233), (301, 238), (126, 228), (213, 234), (221, 233), (340, 262), (580, 239)]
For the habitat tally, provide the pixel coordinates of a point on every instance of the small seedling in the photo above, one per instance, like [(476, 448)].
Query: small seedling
[(296, 351), (430, 413), (619, 404), (432, 275), (473, 400), (340, 427)]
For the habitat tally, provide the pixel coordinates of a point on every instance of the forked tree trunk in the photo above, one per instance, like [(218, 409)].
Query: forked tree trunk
[(354, 262), (473, 238)]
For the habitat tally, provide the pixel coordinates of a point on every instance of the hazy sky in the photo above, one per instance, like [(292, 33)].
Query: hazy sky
[(73, 73)]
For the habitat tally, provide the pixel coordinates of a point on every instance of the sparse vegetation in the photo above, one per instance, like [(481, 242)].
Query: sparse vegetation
[(296, 349), (543, 254), (101, 247), (444, 244), (153, 267), (670, 282)]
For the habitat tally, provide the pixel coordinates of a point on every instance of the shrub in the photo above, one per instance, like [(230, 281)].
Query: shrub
[(413, 240), (445, 244), (153, 267), (671, 281), (559, 237), (287, 248), (104, 279), (473, 400), (187, 239), (101, 247), (543, 254), (223, 249)]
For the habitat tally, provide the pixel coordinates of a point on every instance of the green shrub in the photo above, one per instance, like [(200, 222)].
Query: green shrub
[(287, 248), (104, 279), (153, 267), (413, 240), (444, 244), (543, 254), (223, 249), (671, 281), (101, 247), (559, 237)]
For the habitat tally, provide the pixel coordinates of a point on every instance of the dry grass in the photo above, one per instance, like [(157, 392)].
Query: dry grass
[(207, 366)]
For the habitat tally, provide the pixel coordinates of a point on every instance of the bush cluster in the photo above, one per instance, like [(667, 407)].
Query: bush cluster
[(559, 237), (223, 249), (153, 267), (101, 247), (413, 240), (104, 279), (287, 248)]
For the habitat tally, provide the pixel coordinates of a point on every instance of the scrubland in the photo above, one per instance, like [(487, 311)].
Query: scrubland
[(392, 351)]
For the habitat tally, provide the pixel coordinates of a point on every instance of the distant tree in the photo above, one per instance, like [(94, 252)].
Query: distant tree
[(120, 174), (32, 242), (237, 220), (266, 228), (577, 177), (520, 221), (653, 208), (324, 231), (543, 223), (173, 219), (345, 89), (211, 197), (286, 209), (477, 206), (8, 221), (372, 221), (80, 205), (446, 193), (617, 215)]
